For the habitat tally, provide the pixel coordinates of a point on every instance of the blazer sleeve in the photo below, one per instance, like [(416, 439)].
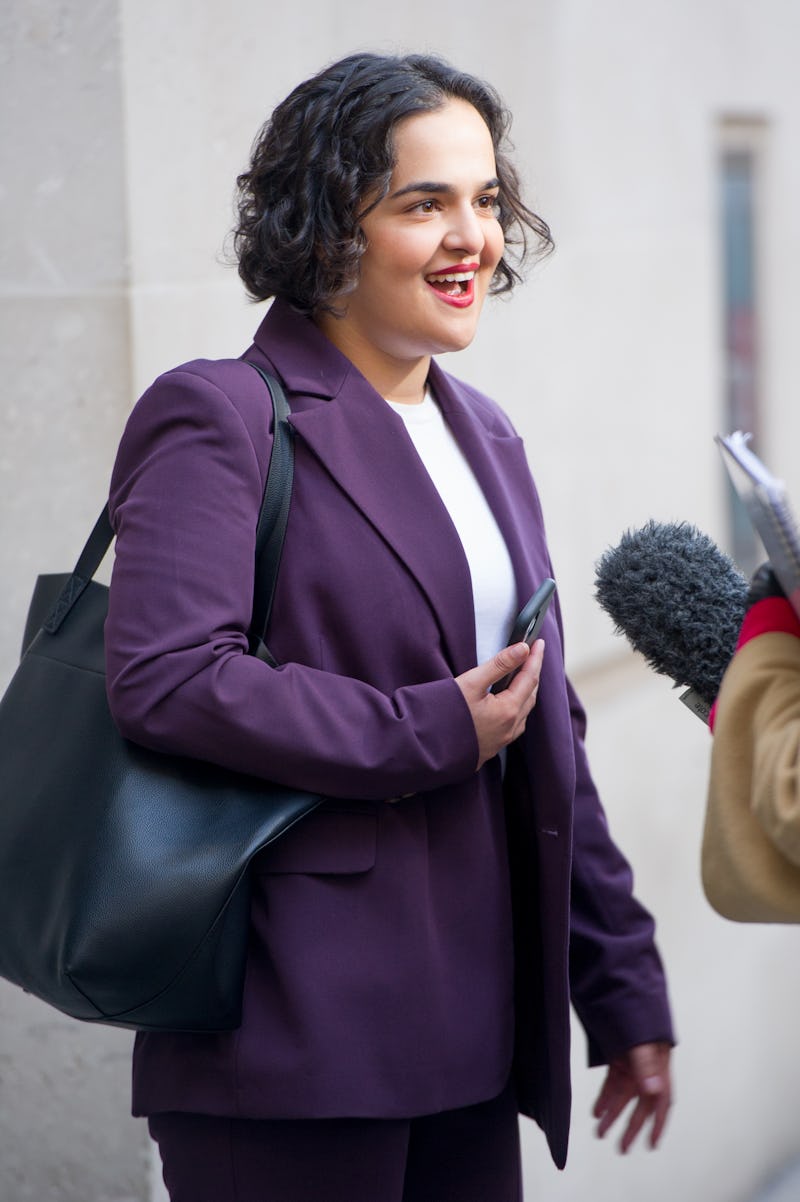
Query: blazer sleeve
[(756, 752), (617, 980), (185, 495)]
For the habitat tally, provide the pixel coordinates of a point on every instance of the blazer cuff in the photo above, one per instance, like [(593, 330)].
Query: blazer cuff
[(610, 1034)]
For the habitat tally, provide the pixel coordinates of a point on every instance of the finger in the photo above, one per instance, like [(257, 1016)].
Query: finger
[(618, 1090), (526, 680), (651, 1066), (506, 661), (659, 1122), (523, 691), (610, 1114), (642, 1075), (610, 1105), (476, 682), (649, 1063), (603, 1097), (660, 1112), (637, 1120), (648, 1107), (655, 1108)]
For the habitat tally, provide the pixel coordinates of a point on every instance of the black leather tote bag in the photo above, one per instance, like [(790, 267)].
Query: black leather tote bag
[(124, 893)]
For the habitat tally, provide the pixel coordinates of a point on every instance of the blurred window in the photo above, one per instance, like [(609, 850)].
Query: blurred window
[(739, 172)]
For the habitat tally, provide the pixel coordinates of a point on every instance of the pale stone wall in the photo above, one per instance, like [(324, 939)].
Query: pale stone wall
[(120, 146), (65, 1130)]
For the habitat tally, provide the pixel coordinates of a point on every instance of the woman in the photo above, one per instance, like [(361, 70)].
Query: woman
[(390, 1033)]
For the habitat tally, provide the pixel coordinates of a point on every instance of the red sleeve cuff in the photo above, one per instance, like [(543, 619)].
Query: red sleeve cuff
[(770, 615)]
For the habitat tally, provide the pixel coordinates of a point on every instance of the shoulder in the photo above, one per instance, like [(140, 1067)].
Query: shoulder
[(228, 388), (211, 410), (223, 397)]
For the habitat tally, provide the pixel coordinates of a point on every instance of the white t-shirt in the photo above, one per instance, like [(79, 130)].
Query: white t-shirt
[(493, 586)]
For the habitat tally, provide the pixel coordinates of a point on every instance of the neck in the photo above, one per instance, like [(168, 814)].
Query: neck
[(399, 380), (406, 390)]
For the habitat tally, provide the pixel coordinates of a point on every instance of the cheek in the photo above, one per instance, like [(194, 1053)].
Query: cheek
[(495, 244), (398, 255)]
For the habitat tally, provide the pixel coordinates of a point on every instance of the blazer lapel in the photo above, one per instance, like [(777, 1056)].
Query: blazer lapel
[(363, 444)]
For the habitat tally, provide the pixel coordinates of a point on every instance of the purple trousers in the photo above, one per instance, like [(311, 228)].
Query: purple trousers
[(469, 1155)]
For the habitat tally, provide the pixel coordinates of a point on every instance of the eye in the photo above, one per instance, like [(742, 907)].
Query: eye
[(489, 203), (424, 206)]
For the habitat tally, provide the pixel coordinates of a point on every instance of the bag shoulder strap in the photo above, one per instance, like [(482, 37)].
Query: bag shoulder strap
[(273, 516), (270, 532), (89, 561)]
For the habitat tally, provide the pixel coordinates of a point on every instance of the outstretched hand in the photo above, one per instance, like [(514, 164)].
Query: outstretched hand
[(641, 1075), (500, 718)]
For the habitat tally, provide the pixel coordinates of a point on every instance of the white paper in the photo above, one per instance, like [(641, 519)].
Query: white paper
[(764, 497)]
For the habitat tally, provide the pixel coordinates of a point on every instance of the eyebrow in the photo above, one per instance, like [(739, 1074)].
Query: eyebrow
[(432, 186)]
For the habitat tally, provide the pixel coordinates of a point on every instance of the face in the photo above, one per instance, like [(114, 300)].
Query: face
[(433, 243)]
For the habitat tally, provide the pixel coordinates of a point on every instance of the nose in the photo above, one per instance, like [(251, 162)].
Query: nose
[(464, 232)]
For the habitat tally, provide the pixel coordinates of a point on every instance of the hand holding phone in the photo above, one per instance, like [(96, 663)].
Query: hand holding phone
[(528, 624)]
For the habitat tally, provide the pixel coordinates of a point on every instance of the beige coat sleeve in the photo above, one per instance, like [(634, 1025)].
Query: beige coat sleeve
[(751, 842)]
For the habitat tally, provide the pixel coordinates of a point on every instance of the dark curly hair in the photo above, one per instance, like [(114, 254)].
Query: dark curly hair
[(326, 148)]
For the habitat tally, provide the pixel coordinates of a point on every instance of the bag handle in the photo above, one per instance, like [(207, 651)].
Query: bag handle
[(270, 531)]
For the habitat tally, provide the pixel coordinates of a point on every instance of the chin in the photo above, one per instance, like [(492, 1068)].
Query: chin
[(457, 341), (456, 336)]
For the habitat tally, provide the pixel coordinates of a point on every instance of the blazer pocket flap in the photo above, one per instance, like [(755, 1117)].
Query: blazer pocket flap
[(327, 841)]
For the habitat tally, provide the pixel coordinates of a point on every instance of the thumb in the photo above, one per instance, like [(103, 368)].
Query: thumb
[(500, 665), (646, 1064)]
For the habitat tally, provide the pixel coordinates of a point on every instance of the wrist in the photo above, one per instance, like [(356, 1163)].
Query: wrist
[(770, 615), (767, 616)]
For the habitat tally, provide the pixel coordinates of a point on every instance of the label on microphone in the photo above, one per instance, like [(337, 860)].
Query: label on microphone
[(697, 704)]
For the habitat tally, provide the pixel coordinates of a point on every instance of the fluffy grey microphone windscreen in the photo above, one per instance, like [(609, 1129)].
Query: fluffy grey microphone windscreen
[(678, 600)]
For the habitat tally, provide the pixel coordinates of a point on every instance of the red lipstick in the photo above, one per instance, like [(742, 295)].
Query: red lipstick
[(454, 284)]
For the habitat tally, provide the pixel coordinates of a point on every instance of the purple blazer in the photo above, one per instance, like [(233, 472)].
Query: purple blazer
[(386, 977)]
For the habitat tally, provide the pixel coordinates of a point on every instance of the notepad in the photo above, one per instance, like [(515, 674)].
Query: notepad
[(768, 507)]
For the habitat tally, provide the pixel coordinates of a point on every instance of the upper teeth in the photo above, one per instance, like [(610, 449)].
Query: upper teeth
[(453, 277)]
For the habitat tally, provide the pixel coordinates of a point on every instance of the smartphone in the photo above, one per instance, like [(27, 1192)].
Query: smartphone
[(528, 624)]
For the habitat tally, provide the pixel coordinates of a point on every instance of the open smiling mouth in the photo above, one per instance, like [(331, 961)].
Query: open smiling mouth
[(455, 286)]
